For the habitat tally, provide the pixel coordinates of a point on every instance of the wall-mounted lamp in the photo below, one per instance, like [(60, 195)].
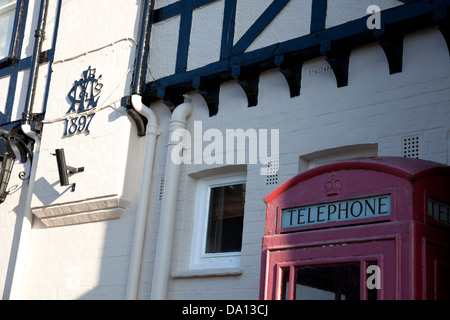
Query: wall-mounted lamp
[(6, 165), (65, 170), (12, 142), (7, 157)]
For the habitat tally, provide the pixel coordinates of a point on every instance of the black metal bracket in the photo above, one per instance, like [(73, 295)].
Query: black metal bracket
[(64, 170), (15, 138), (20, 141), (248, 79), (291, 68), (209, 89), (392, 44), (172, 97), (440, 16), (338, 57)]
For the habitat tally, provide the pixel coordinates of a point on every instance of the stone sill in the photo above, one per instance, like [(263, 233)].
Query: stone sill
[(83, 211), (212, 272)]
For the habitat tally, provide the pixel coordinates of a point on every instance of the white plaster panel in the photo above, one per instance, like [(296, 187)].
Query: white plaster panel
[(163, 48), (163, 3), (341, 11), (50, 25), (206, 35), (247, 11), (113, 63), (4, 84), (20, 95), (85, 26), (30, 27), (292, 22)]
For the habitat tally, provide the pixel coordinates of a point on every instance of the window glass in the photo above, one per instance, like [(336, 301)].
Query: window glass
[(372, 293), (284, 292), (328, 282), (225, 219), (7, 14)]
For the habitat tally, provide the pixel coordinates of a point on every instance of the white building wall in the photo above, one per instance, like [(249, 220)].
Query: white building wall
[(65, 259), (70, 259), (374, 109)]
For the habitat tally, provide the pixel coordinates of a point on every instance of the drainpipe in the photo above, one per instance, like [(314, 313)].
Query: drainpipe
[(168, 207), (39, 35), (142, 49), (27, 118), (152, 133)]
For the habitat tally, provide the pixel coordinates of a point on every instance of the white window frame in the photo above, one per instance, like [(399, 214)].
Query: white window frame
[(200, 259)]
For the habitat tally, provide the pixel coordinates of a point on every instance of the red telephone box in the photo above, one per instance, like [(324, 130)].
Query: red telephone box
[(375, 228)]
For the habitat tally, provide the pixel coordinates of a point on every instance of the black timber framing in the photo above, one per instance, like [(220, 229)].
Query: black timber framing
[(334, 43)]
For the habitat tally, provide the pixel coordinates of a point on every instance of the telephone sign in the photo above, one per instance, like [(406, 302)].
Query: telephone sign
[(339, 211)]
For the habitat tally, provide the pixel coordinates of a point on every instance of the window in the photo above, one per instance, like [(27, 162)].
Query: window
[(7, 17), (218, 222)]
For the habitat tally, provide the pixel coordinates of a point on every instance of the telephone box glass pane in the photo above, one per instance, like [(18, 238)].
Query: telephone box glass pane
[(328, 282), (284, 292), (443, 281), (372, 291)]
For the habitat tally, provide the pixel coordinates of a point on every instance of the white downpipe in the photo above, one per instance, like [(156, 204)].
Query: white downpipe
[(152, 132), (27, 220), (168, 206)]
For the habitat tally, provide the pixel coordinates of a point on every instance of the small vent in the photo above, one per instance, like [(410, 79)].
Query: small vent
[(161, 189), (272, 170), (411, 147)]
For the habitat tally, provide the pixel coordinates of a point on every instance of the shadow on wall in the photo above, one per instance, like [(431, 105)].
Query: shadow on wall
[(46, 192), (19, 210)]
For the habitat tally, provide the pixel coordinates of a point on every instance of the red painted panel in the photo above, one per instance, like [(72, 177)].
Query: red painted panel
[(405, 168), (400, 242)]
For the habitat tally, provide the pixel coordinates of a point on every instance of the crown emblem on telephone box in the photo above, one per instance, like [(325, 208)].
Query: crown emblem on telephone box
[(333, 187)]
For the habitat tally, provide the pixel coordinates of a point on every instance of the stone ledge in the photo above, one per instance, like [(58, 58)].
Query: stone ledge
[(210, 272), (83, 211)]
